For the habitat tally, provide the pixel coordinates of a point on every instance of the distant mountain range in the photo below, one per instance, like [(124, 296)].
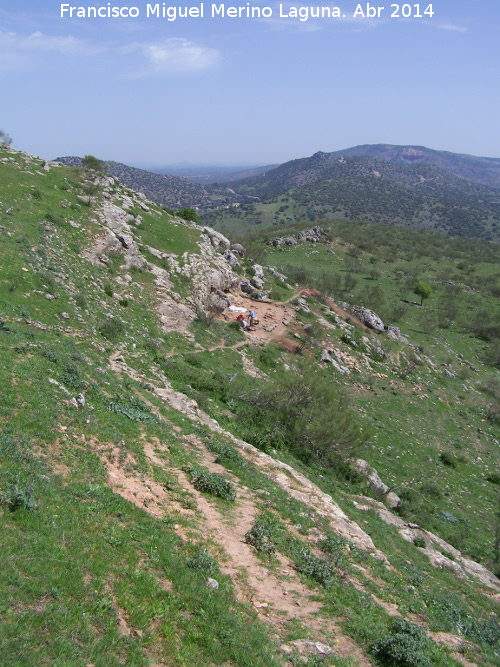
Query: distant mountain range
[(415, 193), (172, 191), (483, 170), (406, 185)]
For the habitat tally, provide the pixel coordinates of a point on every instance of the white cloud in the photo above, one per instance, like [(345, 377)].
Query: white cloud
[(176, 55), (38, 41), (451, 27)]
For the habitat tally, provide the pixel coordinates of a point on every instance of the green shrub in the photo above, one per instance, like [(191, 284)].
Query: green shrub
[(419, 542), (108, 289), (81, 300), (17, 492), (111, 329), (203, 561), (494, 478), (407, 645), (135, 412), (260, 536), (334, 547), (448, 459), (54, 218), (188, 214), (318, 568), (226, 453), (213, 483), (72, 377), (48, 281)]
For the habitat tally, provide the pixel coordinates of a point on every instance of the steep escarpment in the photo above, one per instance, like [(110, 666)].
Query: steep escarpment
[(176, 491)]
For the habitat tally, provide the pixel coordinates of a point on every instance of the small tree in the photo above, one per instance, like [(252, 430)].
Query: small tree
[(423, 290), (188, 214), (92, 163), (5, 139)]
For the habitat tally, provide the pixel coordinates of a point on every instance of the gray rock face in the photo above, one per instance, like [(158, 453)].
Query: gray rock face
[(245, 287), (126, 240), (395, 333), (325, 356), (290, 241), (369, 318), (365, 469), (231, 259), (336, 363), (302, 304), (238, 249), (258, 271), (218, 239), (217, 301), (257, 282)]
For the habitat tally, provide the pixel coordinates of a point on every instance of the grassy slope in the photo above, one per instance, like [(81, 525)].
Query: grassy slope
[(88, 576)]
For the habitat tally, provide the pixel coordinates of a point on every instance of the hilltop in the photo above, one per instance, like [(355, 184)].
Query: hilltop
[(174, 491), (360, 187), (171, 191), (483, 170)]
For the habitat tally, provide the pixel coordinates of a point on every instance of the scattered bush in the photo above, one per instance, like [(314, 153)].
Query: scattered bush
[(448, 459), (407, 645), (134, 410), (318, 568), (226, 453), (81, 300), (494, 478), (188, 214), (111, 329), (72, 377), (260, 536), (419, 542), (334, 547), (54, 218), (213, 483), (203, 561), (48, 281), (17, 492), (108, 289)]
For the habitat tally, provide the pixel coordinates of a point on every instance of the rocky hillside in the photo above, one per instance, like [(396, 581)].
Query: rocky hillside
[(326, 185), (483, 170), (172, 191), (176, 491)]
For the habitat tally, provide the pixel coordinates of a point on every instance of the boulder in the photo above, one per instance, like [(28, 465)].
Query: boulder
[(367, 471), (369, 318), (231, 259), (257, 282), (218, 239), (126, 240), (238, 249), (302, 304), (246, 287), (258, 271), (394, 332)]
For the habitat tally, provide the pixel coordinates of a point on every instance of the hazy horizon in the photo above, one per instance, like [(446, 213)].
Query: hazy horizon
[(231, 91)]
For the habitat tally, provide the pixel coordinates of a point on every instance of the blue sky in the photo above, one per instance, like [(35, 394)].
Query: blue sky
[(248, 91)]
